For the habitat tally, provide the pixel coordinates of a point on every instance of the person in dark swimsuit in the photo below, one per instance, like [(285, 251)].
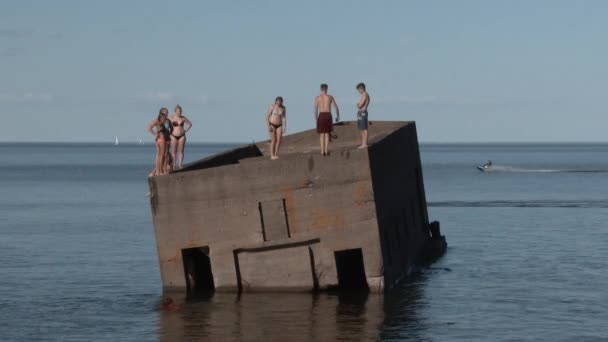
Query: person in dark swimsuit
[(160, 131), (276, 119), (180, 125)]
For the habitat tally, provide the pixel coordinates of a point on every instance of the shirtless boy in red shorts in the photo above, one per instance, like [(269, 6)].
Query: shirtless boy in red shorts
[(323, 104)]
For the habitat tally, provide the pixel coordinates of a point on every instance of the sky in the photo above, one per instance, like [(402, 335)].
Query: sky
[(465, 71)]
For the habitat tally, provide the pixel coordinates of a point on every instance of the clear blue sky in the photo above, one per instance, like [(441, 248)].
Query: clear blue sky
[(464, 70)]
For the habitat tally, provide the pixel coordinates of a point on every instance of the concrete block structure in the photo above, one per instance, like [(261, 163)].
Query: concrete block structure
[(237, 221)]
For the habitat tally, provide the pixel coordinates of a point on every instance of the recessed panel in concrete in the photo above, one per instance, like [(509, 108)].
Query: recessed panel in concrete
[(282, 268), (274, 220)]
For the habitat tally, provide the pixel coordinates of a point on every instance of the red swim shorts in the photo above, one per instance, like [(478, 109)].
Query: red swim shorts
[(324, 123)]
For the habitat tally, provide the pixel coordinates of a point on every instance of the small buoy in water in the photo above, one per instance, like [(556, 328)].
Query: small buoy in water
[(168, 305)]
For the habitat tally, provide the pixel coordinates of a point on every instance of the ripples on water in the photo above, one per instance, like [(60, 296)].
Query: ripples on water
[(526, 261)]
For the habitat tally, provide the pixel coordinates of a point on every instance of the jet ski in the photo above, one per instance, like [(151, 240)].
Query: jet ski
[(485, 167)]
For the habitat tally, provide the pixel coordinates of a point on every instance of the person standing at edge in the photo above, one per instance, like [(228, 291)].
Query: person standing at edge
[(323, 104), (362, 115), (180, 125)]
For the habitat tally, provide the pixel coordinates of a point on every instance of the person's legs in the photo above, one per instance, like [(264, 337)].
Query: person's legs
[(362, 125), (277, 144), (181, 146), (169, 162), (157, 161), (273, 142), (173, 150), (321, 143), (363, 139), (326, 138), (162, 153)]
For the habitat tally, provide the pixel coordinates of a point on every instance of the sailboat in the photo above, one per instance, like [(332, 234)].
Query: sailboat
[(116, 140), (141, 142)]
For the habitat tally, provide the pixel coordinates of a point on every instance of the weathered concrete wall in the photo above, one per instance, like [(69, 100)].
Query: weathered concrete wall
[(325, 197)]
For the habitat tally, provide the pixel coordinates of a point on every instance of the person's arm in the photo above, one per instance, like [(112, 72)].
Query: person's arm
[(284, 121), (268, 118), (151, 128), (335, 104), (187, 122), (316, 109)]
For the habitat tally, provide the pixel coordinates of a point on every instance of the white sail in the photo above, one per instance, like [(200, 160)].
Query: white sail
[(116, 140)]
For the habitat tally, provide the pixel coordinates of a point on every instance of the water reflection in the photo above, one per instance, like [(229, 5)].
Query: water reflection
[(295, 317), (401, 312)]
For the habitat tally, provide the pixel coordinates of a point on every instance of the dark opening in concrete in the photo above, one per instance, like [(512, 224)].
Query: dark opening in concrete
[(197, 269), (351, 270)]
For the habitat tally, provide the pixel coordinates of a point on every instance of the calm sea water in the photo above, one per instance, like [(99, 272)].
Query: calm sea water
[(528, 249)]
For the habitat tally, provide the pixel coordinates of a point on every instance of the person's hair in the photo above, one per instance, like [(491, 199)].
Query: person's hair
[(279, 98), (178, 107), (361, 85), (324, 87), (161, 114)]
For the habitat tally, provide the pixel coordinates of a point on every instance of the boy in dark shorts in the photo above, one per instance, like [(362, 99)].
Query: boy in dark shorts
[(323, 119)]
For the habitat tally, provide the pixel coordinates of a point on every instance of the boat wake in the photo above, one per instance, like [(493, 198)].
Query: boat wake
[(499, 168), (522, 204)]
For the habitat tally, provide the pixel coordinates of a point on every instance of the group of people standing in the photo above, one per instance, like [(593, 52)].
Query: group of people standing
[(170, 134), (276, 119)]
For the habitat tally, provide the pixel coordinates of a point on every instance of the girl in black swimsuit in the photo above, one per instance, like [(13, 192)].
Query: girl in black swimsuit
[(180, 125), (276, 118)]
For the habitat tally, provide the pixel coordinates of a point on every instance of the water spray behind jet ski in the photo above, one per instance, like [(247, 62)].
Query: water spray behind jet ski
[(490, 167)]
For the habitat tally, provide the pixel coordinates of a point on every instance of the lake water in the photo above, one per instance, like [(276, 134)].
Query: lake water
[(527, 256)]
